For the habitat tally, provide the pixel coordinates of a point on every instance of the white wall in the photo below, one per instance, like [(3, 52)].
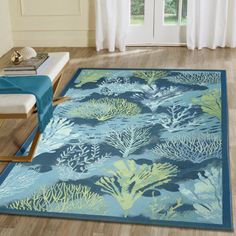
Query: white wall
[(53, 22), (6, 42)]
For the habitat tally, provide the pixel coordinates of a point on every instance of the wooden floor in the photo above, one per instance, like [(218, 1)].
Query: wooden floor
[(13, 133)]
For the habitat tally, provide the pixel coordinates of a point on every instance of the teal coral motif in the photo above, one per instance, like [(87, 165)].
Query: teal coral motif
[(206, 197), (135, 146)]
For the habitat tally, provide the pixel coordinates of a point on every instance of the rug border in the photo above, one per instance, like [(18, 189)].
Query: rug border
[(227, 224)]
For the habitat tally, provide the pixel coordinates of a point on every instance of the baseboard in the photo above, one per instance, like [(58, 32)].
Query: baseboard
[(157, 45)]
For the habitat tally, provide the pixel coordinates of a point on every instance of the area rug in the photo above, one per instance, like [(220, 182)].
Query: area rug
[(143, 146)]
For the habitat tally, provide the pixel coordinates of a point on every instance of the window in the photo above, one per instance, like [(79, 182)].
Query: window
[(161, 22), (175, 12), (137, 12)]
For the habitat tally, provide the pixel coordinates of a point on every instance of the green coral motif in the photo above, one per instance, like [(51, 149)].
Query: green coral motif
[(130, 181), (150, 75), (88, 76), (210, 103), (105, 108), (129, 140), (62, 197)]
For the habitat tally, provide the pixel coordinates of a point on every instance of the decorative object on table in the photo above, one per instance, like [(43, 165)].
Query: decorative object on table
[(133, 146), (28, 53), (26, 67), (16, 58)]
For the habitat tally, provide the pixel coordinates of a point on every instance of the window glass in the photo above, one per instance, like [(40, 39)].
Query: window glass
[(175, 11), (137, 12)]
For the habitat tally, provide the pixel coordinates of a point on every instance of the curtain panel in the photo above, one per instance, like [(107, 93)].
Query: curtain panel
[(211, 23), (112, 19)]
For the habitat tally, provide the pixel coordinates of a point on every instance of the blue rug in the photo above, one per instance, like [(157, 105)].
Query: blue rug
[(133, 146)]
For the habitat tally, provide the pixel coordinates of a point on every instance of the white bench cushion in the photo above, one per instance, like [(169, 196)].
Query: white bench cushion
[(16, 103), (23, 103)]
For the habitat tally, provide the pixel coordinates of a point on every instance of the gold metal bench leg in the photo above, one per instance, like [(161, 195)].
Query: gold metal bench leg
[(59, 100), (56, 101), (27, 158)]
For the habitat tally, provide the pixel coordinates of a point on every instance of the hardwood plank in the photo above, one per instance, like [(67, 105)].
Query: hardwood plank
[(13, 133)]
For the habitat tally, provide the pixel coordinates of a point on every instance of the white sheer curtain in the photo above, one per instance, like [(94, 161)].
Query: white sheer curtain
[(112, 19), (211, 23)]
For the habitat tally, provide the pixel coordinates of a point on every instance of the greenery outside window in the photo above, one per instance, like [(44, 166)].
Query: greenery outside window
[(175, 12), (137, 12)]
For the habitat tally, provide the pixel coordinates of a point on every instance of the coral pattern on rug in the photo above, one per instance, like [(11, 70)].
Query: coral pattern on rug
[(136, 146)]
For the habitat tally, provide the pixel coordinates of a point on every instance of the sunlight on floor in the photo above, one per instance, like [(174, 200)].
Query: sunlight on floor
[(130, 52)]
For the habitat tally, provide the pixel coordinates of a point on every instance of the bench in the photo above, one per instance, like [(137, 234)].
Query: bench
[(22, 106)]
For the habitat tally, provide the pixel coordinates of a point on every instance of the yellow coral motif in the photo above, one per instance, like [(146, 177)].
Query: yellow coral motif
[(105, 108), (130, 181), (62, 197), (150, 75)]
